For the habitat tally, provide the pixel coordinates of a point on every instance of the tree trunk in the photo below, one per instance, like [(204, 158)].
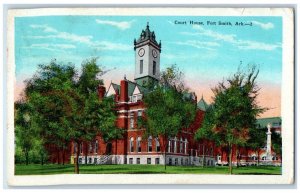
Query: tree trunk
[(230, 159), (86, 151), (63, 156), (26, 157), (203, 155), (76, 160), (166, 147), (42, 158), (57, 156), (237, 156)]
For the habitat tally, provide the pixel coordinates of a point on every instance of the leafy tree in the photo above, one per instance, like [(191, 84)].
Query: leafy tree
[(277, 142), (48, 93), (24, 131), (234, 110), (168, 109), (257, 140)]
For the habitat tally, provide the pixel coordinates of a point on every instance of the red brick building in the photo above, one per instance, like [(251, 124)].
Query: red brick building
[(135, 148)]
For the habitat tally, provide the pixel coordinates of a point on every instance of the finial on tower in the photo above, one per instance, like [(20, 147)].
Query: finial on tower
[(147, 24), (125, 77)]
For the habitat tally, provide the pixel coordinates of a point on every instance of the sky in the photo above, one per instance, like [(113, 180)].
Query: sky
[(206, 51)]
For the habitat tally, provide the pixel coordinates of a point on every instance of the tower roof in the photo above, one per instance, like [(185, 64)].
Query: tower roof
[(202, 105), (147, 35)]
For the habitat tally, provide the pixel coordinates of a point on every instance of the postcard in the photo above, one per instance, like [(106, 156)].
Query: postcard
[(150, 96)]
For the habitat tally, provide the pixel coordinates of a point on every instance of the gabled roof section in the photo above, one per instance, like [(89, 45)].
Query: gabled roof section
[(274, 121), (113, 89), (202, 105), (132, 87)]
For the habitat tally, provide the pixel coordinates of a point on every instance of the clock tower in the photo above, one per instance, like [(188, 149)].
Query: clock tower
[(147, 57)]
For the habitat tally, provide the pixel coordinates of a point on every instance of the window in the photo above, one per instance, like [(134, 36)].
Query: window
[(139, 148), (170, 161), (140, 113), (154, 67), (138, 161), (274, 158), (264, 158), (219, 158), (130, 160), (169, 148), (96, 146), (175, 145), (148, 160), (157, 145), (176, 161), (150, 144), (90, 160), (181, 145), (131, 120), (131, 144), (80, 160), (134, 98), (156, 161), (141, 66), (185, 146), (181, 161), (95, 160), (254, 158)]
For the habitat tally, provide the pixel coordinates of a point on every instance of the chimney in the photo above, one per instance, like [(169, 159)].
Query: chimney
[(101, 91), (124, 91)]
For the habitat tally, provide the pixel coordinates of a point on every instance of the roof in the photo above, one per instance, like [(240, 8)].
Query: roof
[(274, 121), (146, 35), (202, 105), (132, 85)]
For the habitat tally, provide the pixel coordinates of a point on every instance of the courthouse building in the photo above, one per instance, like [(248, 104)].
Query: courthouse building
[(134, 148)]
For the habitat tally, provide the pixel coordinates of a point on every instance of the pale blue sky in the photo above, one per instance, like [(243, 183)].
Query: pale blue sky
[(206, 53)]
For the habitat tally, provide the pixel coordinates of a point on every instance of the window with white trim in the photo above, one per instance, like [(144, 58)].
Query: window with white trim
[(185, 145), (140, 113), (139, 148), (181, 145), (96, 146), (157, 144), (131, 144), (150, 144), (175, 145), (131, 120)]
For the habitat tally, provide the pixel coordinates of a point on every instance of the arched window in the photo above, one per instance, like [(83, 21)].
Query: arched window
[(131, 144), (157, 144), (181, 145), (169, 146), (96, 146), (175, 146), (264, 158), (185, 145), (149, 144), (138, 144)]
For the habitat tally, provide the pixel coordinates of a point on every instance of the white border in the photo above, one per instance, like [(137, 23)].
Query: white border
[(287, 176)]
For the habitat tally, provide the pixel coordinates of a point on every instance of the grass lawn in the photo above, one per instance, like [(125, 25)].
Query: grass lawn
[(35, 169)]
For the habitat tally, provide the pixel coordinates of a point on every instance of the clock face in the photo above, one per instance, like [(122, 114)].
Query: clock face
[(141, 52), (154, 53)]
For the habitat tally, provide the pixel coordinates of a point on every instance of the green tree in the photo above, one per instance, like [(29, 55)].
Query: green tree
[(169, 110), (257, 140), (234, 110), (24, 130), (48, 93), (277, 143)]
